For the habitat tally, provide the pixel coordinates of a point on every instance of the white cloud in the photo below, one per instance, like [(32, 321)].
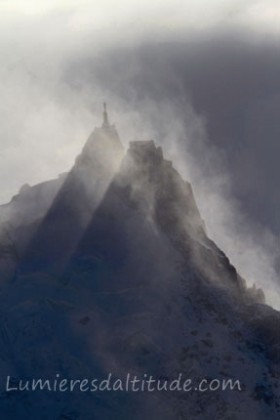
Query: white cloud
[(142, 17)]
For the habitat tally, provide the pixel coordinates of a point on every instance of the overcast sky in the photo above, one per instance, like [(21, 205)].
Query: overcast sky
[(211, 67), (39, 40), (168, 15)]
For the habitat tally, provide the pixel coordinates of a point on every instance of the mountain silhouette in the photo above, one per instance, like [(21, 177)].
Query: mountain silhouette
[(113, 273)]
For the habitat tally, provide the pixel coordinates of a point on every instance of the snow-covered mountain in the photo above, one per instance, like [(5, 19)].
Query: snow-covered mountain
[(114, 273)]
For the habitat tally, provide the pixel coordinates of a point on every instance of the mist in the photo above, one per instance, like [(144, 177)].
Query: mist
[(202, 81)]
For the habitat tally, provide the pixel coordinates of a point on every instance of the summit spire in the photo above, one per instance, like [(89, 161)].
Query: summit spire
[(105, 116)]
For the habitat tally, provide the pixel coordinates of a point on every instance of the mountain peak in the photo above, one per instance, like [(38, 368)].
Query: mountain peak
[(120, 276), (103, 148)]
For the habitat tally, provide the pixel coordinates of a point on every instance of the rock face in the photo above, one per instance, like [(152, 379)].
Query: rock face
[(83, 189), (120, 277), (30, 204)]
